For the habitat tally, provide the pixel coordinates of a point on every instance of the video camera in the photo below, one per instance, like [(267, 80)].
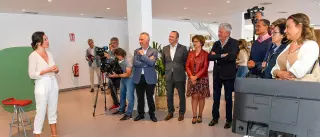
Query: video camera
[(100, 51), (108, 66), (251, 14)]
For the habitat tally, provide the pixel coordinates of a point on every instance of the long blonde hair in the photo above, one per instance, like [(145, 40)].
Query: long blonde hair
[(243, 45), (307, 31)]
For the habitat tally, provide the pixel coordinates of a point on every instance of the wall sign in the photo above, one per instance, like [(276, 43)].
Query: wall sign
[(72, 37)]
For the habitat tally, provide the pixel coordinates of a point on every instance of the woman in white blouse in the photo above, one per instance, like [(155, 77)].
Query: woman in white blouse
[(42, 68), (243, 58), (300, 56)]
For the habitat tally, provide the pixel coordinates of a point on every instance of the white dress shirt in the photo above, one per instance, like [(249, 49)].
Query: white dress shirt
[(144, 53), (307, 55), (225, 42), (173, 51), (38, 64), (94, 61)]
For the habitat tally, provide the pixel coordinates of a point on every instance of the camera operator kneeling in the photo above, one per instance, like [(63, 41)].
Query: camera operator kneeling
[(126, 83)]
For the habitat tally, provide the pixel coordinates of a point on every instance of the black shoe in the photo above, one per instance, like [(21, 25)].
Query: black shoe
[(139, 117), (181, 117), (228, 125), (118, 112), (126, 117), (169, 116), (194, 120), (199, 120), (153, 118), (213, 122), (92, 90)]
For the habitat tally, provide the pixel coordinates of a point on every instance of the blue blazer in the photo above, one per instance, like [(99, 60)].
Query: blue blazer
[(144, 62), (271, 59)]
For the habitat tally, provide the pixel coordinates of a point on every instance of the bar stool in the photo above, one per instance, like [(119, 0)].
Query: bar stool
[(18, 113)]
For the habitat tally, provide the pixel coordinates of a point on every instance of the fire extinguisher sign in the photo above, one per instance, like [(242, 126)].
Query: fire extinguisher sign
[(72, 37)]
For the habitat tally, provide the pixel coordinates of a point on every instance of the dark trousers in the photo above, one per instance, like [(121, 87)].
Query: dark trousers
[(144, 88), (181, 87), (228, 88), (114, 94)]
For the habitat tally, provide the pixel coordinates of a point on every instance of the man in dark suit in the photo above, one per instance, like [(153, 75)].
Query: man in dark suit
[(174, 58), (224, 53), (144, 75)]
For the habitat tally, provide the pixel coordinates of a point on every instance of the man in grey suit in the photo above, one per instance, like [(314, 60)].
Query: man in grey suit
[(174, 58), (94, 64), (144, 75)]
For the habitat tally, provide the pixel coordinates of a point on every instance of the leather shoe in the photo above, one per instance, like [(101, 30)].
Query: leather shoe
[(181, 117), (169, 116), (228, 125), (126, 117), (139, 117), (213, 122), (153, 118)]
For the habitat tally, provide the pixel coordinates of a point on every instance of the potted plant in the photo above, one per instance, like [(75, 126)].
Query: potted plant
[(161, 99)]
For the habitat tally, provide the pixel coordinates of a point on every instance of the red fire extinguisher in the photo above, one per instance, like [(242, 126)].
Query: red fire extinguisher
[(75, 70)]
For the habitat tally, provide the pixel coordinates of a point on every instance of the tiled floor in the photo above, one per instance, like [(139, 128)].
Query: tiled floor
[(75, 120)]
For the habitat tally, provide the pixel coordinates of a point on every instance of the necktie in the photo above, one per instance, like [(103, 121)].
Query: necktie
[(273, 48)]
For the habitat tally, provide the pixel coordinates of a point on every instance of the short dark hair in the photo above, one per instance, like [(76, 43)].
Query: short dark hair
[(265, 22), (177, 33), (201, 39), (119, 52), (114, 39), (36, 38)]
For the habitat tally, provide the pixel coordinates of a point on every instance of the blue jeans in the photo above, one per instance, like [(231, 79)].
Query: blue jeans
[(126, 92), (242, 71)]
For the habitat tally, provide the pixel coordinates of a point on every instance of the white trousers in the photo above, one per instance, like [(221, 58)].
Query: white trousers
[(46, 95), (92, 70)]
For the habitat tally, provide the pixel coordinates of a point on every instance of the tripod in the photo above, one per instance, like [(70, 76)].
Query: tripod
[(254, 22), (103, 78)]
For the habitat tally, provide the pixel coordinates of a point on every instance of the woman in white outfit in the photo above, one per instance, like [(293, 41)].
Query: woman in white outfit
[(299, 58), (42, 68)]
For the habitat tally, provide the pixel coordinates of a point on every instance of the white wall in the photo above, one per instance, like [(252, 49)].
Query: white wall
[(162, 29), (16, 30)]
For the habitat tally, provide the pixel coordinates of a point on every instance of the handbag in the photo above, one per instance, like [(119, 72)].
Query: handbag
[(314, 75)]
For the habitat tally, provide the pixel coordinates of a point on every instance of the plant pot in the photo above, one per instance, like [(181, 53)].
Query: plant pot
[(161, 102)]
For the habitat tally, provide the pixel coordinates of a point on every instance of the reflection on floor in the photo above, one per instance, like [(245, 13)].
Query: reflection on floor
[(75, 120)]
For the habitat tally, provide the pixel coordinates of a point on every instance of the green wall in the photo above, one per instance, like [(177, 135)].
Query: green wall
[(14, 78)]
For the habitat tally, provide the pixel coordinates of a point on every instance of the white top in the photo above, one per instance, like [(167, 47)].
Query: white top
[(307, 56), (37, 64), (243, 58)]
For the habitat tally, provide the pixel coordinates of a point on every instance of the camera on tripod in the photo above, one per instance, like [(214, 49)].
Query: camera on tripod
[(251, 14), (108, 66)]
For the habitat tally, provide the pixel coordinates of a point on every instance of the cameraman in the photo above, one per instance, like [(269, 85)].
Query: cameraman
[(114, 44), (126, 84)]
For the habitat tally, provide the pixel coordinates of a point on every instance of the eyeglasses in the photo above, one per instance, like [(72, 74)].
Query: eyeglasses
[(274, 33)]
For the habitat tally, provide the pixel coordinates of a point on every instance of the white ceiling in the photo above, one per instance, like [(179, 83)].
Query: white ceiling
[(164, 9)]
